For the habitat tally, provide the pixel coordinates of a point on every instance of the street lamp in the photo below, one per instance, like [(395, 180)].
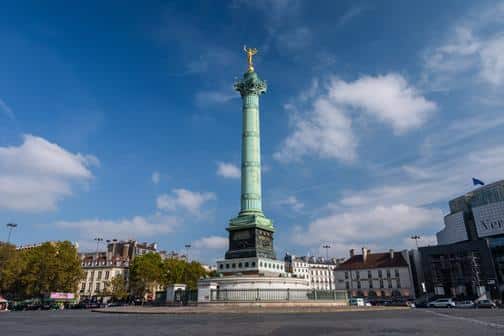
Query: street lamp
[(10, 227), (98, 241), (187, 246), (416, 238), (326, 247)]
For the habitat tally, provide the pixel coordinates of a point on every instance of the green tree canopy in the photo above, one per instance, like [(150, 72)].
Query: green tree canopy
[(145, 272), (117, 288), (181, 271), (36, 272)]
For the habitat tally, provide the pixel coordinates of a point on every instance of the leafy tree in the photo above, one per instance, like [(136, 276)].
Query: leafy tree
[(38, 271), (181, 271), (145, 272), (117, 288), (11, 268)]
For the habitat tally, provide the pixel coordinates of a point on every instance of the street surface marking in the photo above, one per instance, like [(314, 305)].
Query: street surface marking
[(453, 317)]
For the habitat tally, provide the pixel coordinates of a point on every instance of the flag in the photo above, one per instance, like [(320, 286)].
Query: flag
[(476, 181)]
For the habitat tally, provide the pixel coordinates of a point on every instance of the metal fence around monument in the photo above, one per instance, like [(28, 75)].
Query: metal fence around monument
[(251, 295)]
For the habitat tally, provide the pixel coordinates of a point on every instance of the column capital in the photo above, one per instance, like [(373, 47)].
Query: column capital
[(251, 84)]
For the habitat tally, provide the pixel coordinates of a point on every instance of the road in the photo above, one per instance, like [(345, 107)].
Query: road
[(387, 323)]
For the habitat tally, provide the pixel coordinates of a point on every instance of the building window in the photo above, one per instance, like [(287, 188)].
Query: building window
[(398, 283), (247, 264), (347, 285), (369, 274), (233, 265), (346, 275), (370, 283), (227, 265), (107, 274), (389, 284), (253, 263), (380, 273), (357, 275), (92, 275), (83, 287), (99, 275), (358, 284), (221, 266), (97, 287), (240, 265), (381, 283), (397, 273), (388, 273)]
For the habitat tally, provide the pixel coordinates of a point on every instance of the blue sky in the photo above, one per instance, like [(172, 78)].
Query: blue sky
[(121, 121)]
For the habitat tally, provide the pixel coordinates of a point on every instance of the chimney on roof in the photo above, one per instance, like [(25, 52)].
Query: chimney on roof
[(352, 253), (391, 251), (365, 252)]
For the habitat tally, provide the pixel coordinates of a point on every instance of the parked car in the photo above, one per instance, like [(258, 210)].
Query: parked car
[(486, 304), (441, 303), (465, 304), (359, 302)]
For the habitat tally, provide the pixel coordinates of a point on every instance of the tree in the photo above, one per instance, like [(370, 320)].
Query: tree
[(36, 272), (116, 288), (180, 271), (145, 272), (11, 268)]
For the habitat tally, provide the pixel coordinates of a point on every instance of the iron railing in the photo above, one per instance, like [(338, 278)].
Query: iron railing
[(259, 294)]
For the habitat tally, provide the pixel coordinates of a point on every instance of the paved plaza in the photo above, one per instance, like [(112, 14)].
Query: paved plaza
[(387, 323)]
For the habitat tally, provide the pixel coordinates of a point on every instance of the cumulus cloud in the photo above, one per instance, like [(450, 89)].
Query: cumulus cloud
[(228, 170), (183, 199), (37, 174), (326, 129), (128, 228), (388, 98), (293, 203), (372, 224), (472, 50), (156, 177), (211, 242)]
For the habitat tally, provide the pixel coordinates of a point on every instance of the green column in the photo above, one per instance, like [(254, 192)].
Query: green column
[(251, 152), (250, 88)]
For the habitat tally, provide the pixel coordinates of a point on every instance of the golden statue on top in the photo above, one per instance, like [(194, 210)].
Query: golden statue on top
[(250, 52)]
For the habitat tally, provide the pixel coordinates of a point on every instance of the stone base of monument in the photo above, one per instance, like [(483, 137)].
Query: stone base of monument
[(265, 290)]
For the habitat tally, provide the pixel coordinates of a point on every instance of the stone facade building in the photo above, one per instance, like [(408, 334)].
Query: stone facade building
[(318, 271), (379, 276)]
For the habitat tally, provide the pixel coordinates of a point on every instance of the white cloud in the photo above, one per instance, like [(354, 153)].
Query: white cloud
[(128, 228), (228, 170), (211, 242), (371, 224), (388, 98), (205, 98), (325, 131), (5, 109), (184, 199), (472, 50), (37, 174), (492, 61), (156, 177), (293, 203)]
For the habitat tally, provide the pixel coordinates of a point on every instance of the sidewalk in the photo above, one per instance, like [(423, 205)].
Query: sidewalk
[(239, 309)]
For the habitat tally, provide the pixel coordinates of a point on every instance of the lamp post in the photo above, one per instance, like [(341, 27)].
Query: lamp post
[(326, 247), (416, 238), (98, 241), (187, 246), (10, 227)]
